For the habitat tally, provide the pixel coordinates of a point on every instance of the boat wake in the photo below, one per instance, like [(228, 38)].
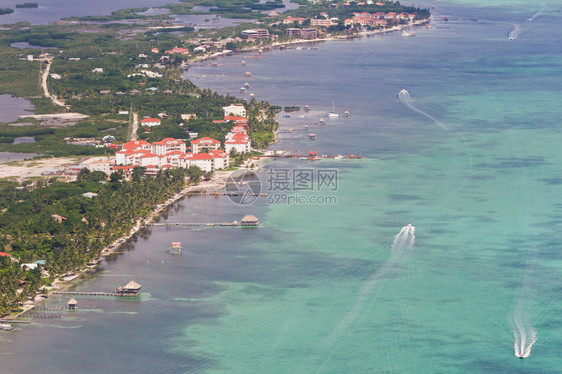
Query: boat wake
[(524, 334), (407, 100), (403, 242), (541, 10), (515, 32)]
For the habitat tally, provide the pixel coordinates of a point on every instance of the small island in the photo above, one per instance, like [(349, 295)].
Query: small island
[(6, 11), (27, 5)]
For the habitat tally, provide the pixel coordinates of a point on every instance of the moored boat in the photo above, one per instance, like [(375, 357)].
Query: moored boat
[(175, 248)]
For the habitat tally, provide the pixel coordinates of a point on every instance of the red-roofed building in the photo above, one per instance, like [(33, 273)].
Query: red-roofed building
[(235, 118), (150, 122), (148, 159), (221, 159), (204, 143), (136, 144), (3, 254), (177, 51), (204, 161), (167, 145)]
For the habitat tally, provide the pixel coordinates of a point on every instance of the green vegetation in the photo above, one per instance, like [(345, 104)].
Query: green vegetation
[(27, 5), (291, 109), (6, 11), (56, 223)]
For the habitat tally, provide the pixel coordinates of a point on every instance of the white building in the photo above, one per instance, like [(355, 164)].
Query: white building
[(238, 140), (105, 166), (150, 122), (204, 143), (234, 110), (168, 145)]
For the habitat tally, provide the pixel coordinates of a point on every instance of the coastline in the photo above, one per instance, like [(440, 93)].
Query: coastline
[(217, 182), (306, 41)]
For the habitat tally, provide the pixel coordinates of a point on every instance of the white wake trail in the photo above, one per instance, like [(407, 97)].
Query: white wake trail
[(406, 99), (524, 335), (515, 32), (403, 241), (541, 10)]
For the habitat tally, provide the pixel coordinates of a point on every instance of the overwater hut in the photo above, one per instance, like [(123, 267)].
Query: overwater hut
[(72, 304), (250, 220), (130, 289)]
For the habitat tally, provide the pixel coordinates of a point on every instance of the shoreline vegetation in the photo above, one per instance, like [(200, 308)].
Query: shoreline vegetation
[(110, 74)]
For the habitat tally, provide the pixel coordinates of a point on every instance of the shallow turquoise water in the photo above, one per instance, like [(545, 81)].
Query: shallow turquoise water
[(471, 158)]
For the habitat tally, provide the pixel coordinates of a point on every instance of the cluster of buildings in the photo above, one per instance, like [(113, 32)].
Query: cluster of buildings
[(206, 153), (170, 153), (310, 33), (378, 18), (253, 34)]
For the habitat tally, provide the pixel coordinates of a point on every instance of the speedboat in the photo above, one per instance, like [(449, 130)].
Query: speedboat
[(333, 112), (408, 33)]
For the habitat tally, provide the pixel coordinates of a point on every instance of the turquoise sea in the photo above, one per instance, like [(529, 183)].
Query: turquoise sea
[(469, 155)]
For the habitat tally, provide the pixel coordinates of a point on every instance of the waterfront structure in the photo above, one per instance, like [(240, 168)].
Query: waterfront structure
[(130, 289), (234, 110), (293, 32), (310, 33), (72, 304), (253, 34), (250, 220)]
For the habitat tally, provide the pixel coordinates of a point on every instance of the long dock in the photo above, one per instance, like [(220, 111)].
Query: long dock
[(86, 293), (194, 224)]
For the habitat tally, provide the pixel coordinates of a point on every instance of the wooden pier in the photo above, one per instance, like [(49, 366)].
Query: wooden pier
[(85, 293), (194, 224), (45, 316), (248, 220)]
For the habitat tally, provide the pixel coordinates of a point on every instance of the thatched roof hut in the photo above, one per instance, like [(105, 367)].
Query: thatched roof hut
[(72, 304), (250, 220)]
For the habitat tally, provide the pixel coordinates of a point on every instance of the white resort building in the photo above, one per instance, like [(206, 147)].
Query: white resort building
[(237, 110)]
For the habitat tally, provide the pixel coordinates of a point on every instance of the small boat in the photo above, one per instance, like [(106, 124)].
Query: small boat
[(322, 122), (306, 108), (346, 113), (333, 112), (247, 85), (252, 95), (408, 33), (243, 62), (242, 89), (175, 248), (5, 327)]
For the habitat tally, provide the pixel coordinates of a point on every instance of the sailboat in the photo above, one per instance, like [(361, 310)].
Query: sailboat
[(333, 112)]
